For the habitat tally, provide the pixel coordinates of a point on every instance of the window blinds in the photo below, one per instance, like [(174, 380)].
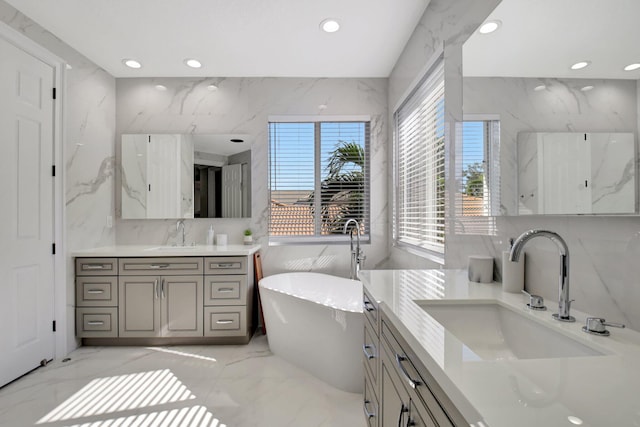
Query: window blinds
[(328, 159), (419, 161)]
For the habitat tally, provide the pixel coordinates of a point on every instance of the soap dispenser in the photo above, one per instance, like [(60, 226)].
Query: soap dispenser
[(512, 272), (210, 236)]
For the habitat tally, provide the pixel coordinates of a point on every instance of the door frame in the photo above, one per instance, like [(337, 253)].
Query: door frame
[(60, 291)]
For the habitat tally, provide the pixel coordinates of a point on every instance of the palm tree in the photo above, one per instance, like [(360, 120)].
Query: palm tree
[(342, 191)]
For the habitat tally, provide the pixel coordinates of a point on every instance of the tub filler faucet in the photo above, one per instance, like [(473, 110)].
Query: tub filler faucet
[(357, 256), (564, 303)]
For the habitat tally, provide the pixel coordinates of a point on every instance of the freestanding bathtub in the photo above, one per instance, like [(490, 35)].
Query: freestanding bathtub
[(315, 321)]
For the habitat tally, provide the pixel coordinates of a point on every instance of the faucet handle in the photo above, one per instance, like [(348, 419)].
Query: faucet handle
[(596, 326), (536, 302)]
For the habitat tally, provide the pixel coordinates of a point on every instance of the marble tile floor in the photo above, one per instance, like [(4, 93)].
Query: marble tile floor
[(185, 386)]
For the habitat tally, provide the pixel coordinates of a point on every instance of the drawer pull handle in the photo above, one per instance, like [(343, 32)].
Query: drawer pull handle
[(368, 355), (412, 383), (225, 290), (95, 291), (156, 266), (95, 323), (93, 267), (226, 265), (368, 414), (224, 322), (368, 306)]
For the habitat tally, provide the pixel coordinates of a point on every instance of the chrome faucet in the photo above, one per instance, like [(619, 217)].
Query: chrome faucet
[(357, 257), (178, 225), (564, 303)]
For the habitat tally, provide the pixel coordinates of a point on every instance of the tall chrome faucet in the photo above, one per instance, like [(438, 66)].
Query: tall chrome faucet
[(564, 303), (357, 256), (178, 225)]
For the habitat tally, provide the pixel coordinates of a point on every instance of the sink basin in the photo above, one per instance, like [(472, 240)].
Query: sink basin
[(496, 332)]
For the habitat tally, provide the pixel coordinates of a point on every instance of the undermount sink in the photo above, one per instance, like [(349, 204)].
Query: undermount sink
[(496, 332)]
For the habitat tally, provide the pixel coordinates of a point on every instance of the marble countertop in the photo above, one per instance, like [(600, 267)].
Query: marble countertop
[(588, 391), (167, 251)]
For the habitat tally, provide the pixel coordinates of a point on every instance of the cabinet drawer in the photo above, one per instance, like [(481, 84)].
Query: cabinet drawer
[(370, 403), (406, 369), (97, 322), (370, 309), (225, 290), (96, 266), (225, 265), (228, 321), (371, 354), (96, 291), (164, 266)]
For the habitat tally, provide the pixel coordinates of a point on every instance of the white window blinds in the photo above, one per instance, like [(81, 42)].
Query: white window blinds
[(329, 159), (419, 165)]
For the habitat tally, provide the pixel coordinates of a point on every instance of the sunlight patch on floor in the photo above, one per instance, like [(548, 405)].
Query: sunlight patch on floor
[(121, 393), (195, 416), (182, 353)]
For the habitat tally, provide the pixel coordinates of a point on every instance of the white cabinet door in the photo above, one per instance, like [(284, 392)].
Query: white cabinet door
[(26, 217), (232, 191)]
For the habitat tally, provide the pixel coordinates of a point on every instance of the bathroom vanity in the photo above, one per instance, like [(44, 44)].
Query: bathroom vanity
[(442, 351), (165, 295)]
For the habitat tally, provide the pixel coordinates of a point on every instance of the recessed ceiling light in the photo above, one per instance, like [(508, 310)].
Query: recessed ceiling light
[(161, 88), (580, 65), (489, 27), (322, 107), (330, 25), (632, 67), (193, 63), (539, 88), (586, 88), (212, 88), (574, 420), (131, 63), (69, 67)]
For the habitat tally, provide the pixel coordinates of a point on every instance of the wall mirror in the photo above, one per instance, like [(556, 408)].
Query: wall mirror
[(549, 68), (186, 176)]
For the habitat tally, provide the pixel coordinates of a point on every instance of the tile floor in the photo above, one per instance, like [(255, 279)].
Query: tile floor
[(186, 386)]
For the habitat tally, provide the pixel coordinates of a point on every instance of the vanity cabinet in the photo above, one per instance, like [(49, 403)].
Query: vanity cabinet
[(405, 377), (97, 297), (149, 300), (371, 360), (228, 297)]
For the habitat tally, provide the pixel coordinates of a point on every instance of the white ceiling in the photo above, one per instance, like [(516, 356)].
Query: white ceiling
[(233, 38), (543, 38)]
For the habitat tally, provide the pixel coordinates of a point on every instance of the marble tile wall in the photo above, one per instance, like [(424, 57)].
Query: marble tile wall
[(242, 106), (562, 107), (89, 154), (604, 249), (444, 27)]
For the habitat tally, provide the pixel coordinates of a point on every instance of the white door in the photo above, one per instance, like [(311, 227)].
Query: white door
[(232, 191), (26, 213)]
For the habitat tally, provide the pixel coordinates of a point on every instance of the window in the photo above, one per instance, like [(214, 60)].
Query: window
[(325, 158), (480, 184), (419, 165)]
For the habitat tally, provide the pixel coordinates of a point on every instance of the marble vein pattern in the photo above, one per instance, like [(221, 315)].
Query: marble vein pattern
[(561, 107), (88, 151), (243, 106), (186, 386)]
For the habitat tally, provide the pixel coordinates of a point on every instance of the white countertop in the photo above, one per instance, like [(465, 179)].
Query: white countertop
[(598, 390), (167, 251)]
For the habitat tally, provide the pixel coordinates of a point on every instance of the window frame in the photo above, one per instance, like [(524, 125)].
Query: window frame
[(424, 248), (332, 239)]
